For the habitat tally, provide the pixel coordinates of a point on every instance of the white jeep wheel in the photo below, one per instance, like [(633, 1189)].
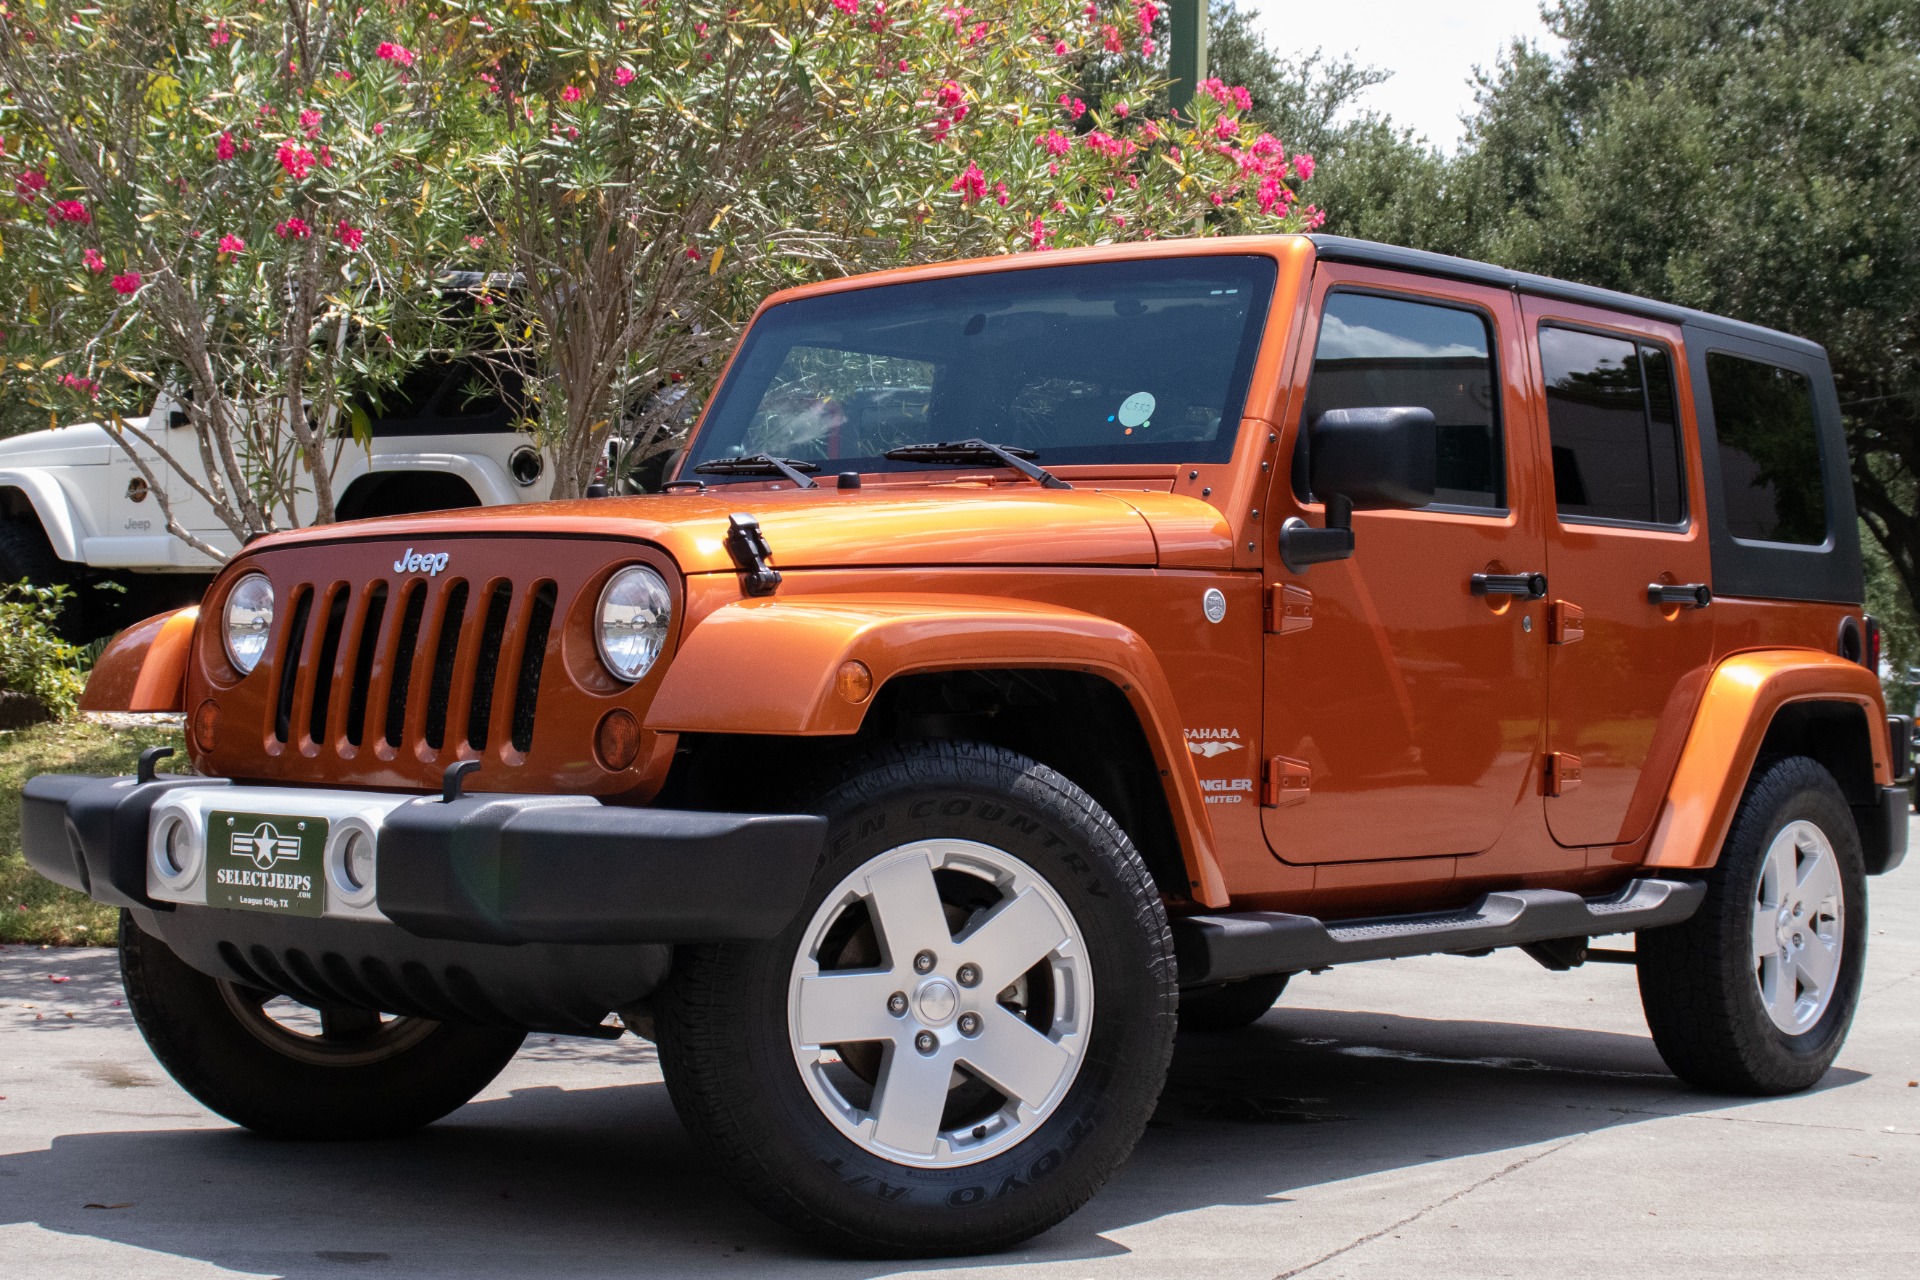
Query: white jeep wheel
[(940, 1004)]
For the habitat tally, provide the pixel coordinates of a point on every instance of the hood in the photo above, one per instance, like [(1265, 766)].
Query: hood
[(937, 524), (82, 444)]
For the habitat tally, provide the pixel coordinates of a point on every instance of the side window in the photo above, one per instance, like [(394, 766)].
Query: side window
[(1376, 352), (1769, 451), (1610, 413)]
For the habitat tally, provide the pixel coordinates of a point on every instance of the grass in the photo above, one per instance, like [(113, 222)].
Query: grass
[(33, 909)]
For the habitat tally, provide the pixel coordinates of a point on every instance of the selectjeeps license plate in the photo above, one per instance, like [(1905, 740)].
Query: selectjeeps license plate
[(266, 862)]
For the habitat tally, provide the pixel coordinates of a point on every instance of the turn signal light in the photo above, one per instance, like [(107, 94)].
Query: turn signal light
[(617, 740), (206, 719), (854, 682)]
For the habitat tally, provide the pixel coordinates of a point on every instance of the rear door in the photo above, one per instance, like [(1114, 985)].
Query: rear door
[(1629, 632), (1403, 711)]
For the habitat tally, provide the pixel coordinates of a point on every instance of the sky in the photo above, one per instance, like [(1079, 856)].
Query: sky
[(1431, 49)]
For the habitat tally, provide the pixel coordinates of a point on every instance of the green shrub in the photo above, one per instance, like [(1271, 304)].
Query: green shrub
[(33, 660)]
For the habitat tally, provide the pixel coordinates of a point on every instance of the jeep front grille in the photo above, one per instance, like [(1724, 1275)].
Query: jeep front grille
[(350, 666)]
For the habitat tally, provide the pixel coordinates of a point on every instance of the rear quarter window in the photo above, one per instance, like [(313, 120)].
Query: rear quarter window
[(1770, 474)]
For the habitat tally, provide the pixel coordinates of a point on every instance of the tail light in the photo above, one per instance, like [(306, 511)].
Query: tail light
[(1871, 658)]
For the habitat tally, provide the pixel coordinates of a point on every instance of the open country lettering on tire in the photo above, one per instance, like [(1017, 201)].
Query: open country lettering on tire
[(982, 706)]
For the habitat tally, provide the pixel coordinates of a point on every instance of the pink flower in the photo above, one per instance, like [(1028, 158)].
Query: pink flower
[(1037, 235), (950, 94), (570, 94), (1217, 199), (1316, 218), (223, 147), (1241, 98), (847, 6), (310, 122), (344, 77), (391, 52), (1303, 167), (89, 387), (1271, 194), (296, 160), (1000, 195), (29, 184), (1110, 38), (379, 130), (231, 243), (1054, 142), (971, 185), (350, 236), (69, 211), (95, 263), (1147, 13), (293, 229), (1059, 48), (128, 283), (700, 30), (326, 156), (1121, 109), (476, 242), (1226, 128), (1147, 48), (219, 36), (622, 76), (693, 254)]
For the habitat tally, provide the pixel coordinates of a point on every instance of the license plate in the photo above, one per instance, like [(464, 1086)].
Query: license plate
[(266, 862)]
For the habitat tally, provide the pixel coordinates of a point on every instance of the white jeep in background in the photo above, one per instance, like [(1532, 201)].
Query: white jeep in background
[(75, 510)]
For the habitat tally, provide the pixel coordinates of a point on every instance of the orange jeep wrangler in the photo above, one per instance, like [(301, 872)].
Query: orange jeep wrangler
[(1029, 657)]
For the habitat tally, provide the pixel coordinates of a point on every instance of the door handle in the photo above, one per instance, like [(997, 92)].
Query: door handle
[(1528, 586), (1688, 595)]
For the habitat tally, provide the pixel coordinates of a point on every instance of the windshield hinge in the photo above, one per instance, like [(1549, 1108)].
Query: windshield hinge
[(749, 549)]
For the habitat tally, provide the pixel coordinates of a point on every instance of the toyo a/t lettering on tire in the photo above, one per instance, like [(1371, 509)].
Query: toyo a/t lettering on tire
[(963, 1034)]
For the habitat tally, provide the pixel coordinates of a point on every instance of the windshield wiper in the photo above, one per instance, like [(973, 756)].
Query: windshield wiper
[(762, 464), (974, 451)]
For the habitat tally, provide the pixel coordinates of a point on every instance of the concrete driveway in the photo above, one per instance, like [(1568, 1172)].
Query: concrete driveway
[(1431, 1118)]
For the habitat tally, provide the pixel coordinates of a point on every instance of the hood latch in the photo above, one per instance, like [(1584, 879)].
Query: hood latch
[(749, 549)]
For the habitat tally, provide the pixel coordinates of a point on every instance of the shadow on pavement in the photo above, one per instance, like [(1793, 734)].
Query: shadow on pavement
[(600, 1180)]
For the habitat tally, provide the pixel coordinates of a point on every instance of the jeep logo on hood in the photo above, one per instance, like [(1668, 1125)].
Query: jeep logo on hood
[(427, 562)]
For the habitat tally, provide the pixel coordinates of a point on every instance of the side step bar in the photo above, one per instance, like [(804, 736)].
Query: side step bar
[(1221, 948)]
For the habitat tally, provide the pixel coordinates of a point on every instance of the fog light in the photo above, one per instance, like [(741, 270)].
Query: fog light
[(174, 852), (854, 681), (351, 865), (617, 740)]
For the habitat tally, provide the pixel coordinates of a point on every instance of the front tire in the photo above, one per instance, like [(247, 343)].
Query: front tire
[(963, 1033), (1754, 994), (356, 1075)]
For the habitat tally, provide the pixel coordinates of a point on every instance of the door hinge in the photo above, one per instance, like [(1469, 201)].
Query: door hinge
[(1563, 773), (1288, 782), (1566, 622), (1289, 609)]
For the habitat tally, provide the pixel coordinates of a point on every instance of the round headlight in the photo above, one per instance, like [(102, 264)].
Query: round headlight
[(634, 612), (249, 619)]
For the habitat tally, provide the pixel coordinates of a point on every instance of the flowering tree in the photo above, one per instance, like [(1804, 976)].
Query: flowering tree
[(249, 204), (236, 203), (656, 168)]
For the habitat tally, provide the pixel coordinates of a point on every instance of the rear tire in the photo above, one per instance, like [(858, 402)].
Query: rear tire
[(1230, 1005), (361, 1077), (993, 956), (1754, 994)]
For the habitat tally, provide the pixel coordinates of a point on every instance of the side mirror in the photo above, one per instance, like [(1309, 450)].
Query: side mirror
[(1361, 460)]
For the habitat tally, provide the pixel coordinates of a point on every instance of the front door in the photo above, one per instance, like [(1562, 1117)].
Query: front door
[(1630, 630), (1403, 710)]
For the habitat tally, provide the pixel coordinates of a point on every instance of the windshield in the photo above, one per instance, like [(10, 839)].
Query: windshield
[(1113, 362)]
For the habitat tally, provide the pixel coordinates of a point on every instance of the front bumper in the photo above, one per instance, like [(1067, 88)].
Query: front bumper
[(485, 868)]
